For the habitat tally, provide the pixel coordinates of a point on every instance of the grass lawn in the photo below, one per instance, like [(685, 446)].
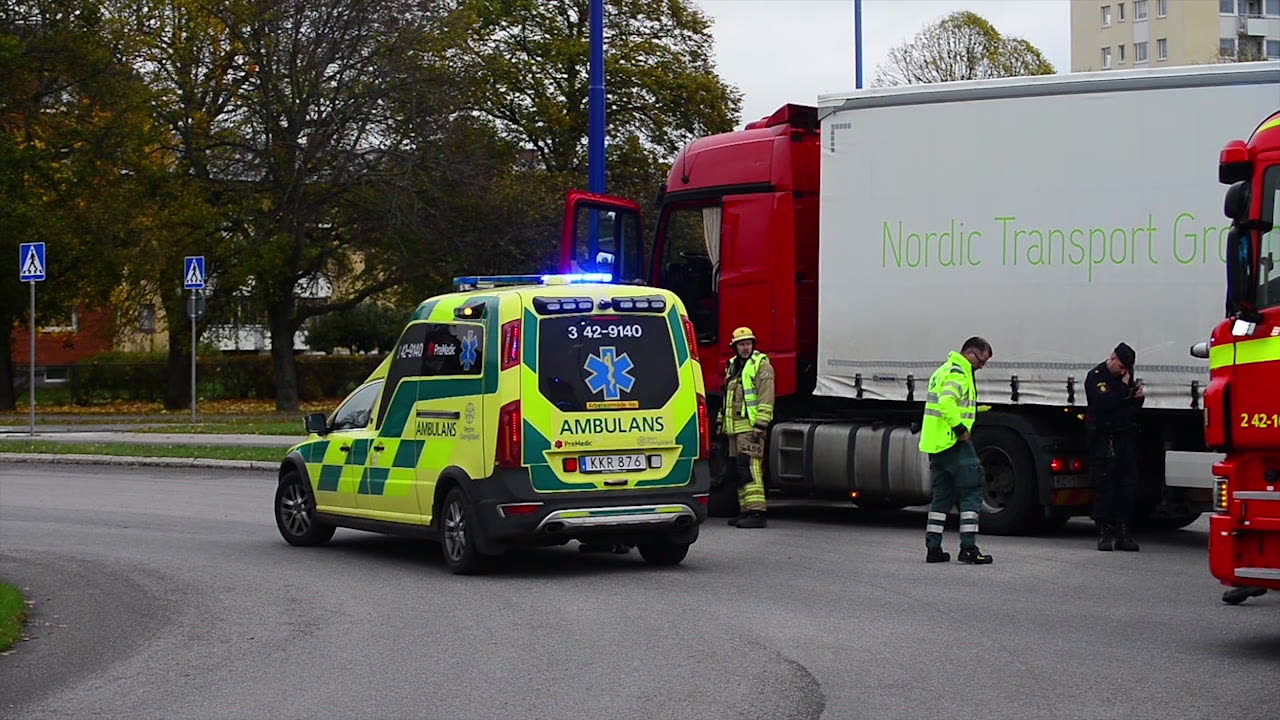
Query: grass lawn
[(143, 450), (13, 610), (239, 426)]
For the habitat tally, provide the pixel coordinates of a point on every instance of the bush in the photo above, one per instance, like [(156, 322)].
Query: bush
[(124, 376)]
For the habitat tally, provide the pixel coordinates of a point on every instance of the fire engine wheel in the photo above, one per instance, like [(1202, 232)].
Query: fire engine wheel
[(1009, 491)]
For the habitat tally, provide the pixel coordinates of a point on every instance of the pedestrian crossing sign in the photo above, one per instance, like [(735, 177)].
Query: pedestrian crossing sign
[(193, 273), (31, 267)]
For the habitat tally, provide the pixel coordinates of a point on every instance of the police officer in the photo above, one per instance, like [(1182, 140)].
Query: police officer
[(1114, 398), (748, 410), (949, 413)]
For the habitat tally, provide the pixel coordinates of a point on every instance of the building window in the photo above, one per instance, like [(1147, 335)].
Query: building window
[(1273, 8), (1122, 48), (1162, 8), (1226, 7), (1273, 49), (1140, 52), (147, 318), (1120, 8), (1139, 10), (1106, 16), (1162, 49), (1106, 58), (1227, 47), (1251, 8)]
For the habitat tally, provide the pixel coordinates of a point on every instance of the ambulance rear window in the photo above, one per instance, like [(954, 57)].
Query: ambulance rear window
[(589, 363)]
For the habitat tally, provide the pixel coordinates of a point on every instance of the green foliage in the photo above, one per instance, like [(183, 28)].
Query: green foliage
[(365, 328), (120, 376), (960, 46), (13, 611)]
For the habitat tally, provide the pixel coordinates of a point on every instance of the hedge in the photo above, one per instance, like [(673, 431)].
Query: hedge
[(120, 376)]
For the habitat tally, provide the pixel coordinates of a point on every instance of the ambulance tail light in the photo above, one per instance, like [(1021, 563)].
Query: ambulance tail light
[(704, 430), (509, 455), (690, 337), (510, 344)]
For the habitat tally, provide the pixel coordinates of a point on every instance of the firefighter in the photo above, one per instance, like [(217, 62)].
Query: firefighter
[(748, 397), (1114, 398), (954, 468)]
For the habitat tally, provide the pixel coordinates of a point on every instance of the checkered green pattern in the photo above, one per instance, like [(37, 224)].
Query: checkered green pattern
[(336, 470)]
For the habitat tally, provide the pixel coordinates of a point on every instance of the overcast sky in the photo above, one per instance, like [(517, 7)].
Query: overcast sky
[(780, 51)]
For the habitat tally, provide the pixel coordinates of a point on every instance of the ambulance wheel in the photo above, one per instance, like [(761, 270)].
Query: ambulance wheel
[(662, 551), (458, 535), (296, 513)]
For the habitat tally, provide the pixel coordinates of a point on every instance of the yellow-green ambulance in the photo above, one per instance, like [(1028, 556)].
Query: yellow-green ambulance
[(528, 410)]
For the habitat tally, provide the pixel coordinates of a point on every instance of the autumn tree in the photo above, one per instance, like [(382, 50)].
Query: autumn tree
[(960, 46)]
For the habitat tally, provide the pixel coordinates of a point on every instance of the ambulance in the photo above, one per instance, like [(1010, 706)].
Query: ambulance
[(520, 410)]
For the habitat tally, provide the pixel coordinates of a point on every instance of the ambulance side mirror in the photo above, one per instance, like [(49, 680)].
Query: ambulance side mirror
[(317, 423)]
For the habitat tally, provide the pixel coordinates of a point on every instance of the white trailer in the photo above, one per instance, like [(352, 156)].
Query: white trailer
[(1055, 216)]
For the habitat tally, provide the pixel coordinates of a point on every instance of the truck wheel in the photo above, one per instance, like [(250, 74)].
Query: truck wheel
[(662, 551), (296, 513), (1175, 521), (1009, 493), (458, 535)]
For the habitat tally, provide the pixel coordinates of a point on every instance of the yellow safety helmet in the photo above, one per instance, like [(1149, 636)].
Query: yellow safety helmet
[(742, 333)]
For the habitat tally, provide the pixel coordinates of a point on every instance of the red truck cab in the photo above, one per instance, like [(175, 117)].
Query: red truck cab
[(1242, 403), (736, 239)]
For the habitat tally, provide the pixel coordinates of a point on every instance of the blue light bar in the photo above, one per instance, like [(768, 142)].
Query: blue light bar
[(472, 282), (575, 278)]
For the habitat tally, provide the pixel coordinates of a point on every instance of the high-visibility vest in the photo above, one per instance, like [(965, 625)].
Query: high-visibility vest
[(952, 404), (756, 412)]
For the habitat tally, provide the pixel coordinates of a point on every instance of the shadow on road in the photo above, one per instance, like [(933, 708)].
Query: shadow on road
[(517, 562)]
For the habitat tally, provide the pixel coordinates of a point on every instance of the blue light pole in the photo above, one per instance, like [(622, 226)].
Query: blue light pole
[(595, 100), (857, 42)]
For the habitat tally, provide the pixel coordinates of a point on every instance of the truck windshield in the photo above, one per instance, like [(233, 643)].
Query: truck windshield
[(1268, 277), (590, 363)]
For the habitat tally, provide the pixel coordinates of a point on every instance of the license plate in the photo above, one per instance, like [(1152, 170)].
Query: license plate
[(612, 463)]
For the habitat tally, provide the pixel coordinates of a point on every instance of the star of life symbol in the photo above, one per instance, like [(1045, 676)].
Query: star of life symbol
[(469, 344), (609, 373)]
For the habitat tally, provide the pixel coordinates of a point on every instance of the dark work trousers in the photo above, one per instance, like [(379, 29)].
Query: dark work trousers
[(1113, 469), (957, 481)]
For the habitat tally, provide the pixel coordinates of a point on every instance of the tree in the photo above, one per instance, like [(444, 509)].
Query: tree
[(530, 59), (367, 327), (75, 132), (961, 46)]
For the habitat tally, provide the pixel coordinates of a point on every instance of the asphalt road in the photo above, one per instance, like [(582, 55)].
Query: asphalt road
[(169, 594)]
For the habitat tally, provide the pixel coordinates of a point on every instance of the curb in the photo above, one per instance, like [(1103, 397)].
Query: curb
[(125, 460)]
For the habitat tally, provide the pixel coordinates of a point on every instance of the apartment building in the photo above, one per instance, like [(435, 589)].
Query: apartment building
[(1114, 34)]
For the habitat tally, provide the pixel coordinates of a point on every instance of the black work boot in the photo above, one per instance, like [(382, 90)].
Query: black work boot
[(1123, 540), (736, 520), (1105, 540), (936, 555), (974, 556), (753, 519)]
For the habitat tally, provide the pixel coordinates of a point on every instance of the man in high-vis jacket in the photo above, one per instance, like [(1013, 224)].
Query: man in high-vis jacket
[(954, 468), (748, 410)]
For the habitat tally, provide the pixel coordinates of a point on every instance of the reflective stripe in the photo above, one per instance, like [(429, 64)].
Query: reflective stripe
[(932, 412), (1268, 125), (1221, 356), (933, 529), (968, 515), (940, 517), (969, 528)]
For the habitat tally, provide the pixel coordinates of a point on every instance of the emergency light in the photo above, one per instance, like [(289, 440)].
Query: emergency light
[(476, 282)]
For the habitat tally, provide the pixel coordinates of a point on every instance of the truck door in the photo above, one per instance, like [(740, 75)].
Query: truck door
[(601, 234)]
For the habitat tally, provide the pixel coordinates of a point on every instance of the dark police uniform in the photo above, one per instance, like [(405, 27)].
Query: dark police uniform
[(1113, 462)]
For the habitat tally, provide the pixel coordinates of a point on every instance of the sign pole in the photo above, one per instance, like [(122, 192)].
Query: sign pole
[(193, 357), (31, 367)]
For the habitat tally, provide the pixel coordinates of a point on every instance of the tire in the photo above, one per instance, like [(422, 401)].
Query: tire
[(295, 511), (1170, 522), (458, 535), (1009, 503), (663, 552)]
